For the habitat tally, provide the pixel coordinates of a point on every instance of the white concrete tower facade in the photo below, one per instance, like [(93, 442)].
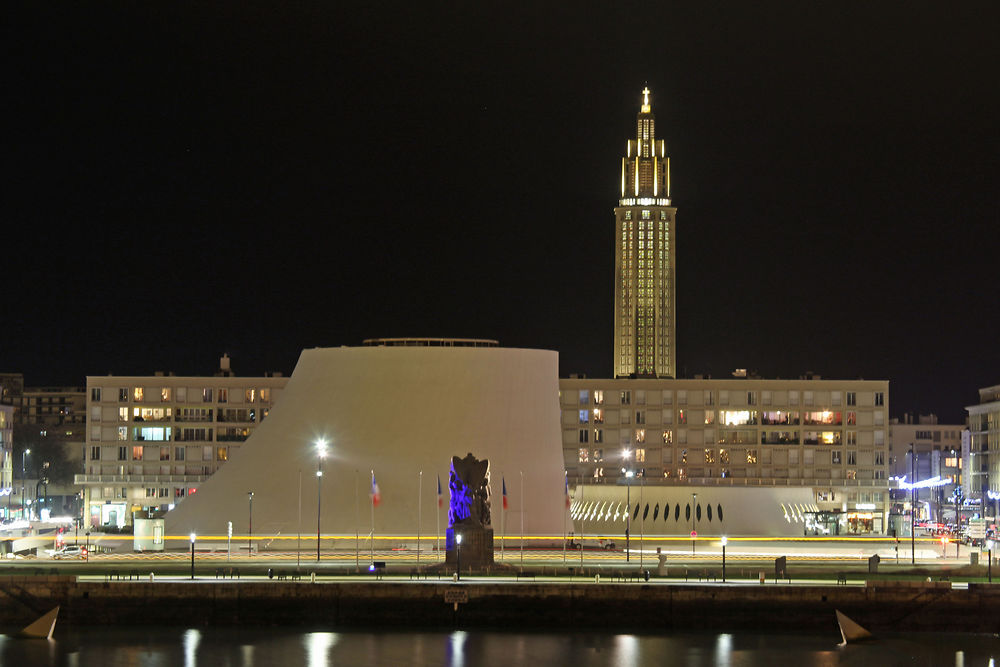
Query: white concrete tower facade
[(645, 251)]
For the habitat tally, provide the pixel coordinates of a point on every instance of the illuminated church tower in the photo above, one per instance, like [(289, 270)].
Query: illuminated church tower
[(645, 325)]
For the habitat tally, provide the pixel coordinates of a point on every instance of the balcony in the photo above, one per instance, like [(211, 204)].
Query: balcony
[(137, 479)]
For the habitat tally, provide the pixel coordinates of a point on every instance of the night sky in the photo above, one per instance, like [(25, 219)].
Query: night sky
[(183, 180)]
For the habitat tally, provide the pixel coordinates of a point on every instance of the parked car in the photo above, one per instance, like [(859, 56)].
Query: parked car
[(70, 551)]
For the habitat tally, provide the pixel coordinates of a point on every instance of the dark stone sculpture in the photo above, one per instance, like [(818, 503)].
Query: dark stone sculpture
[(469, 515), (469, 483)]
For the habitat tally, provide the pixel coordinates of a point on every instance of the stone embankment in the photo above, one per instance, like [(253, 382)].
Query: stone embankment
[(629, 607)]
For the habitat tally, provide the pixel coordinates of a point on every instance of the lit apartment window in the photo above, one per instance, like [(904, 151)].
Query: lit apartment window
[(123, 432), (709, 416), (598, 416), (852, 474), (709, 456), (250, 395), (598, 397), (583, 416), (222, 454), (682, 417), (668, 437), (640, 435), (164, 453), (206, 395), (137, 394), (640, 455), (752, 456), (165, 394), (583, 455), (137, 453)]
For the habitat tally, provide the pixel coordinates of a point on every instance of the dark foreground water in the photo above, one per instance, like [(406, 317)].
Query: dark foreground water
[(247, 647)]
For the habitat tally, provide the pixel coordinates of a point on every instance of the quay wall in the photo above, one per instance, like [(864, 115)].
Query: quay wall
[(627, 607)]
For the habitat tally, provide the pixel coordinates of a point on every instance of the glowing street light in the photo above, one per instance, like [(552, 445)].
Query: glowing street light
[(320, 453), (23, 454), (250, 530), (458, 557), (192, 556), (628, 507)]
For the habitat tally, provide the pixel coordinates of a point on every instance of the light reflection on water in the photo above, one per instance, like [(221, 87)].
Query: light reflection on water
[(261, 647)]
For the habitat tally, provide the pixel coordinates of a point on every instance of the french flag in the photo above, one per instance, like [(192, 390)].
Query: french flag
[(440, 499), (504, 483), (376, 495)]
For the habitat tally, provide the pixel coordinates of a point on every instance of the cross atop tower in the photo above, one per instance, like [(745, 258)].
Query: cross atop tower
[(645, 100)]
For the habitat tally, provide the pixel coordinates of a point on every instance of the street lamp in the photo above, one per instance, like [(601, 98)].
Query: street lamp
[(458, 557), (192, 556), (724, 559), (913, 506), (23, 477), (320, 453), (250, 529), (989, 561), (628, 503), (694, 515)]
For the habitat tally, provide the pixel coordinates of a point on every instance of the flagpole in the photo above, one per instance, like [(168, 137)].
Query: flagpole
[(420, 488), (437, 527), (357, 530), (582, 518), (373, 517), (522, 517), (298, 541), (642, 523), (565, 512), (503, 515)]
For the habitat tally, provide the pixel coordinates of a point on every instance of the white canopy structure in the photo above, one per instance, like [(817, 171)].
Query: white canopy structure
[(398, 411)]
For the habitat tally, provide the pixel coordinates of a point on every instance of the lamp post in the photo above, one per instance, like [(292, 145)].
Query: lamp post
[(250, 529), (23, 477), (694, 518), (913, 506), (320, 453), (628, 510), (989, 561), (192, 556), (724, 559), (458, 557)]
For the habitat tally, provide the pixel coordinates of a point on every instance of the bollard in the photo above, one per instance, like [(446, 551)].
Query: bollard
[(761, 577), (312, 577), (597, 578), (454, 576), (150, 577)]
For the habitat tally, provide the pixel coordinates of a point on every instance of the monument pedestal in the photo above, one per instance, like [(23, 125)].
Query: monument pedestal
[(477, 546)]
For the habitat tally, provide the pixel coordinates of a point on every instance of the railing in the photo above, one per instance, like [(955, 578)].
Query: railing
[(743, 481), (136, 479)]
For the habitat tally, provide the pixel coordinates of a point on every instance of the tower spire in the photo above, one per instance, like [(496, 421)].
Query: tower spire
[(645, 100)]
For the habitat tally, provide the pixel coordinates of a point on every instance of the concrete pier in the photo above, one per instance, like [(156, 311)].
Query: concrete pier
[(630, 607)]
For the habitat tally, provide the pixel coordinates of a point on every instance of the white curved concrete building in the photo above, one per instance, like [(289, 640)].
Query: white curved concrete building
[(400, 411), (712, 511)]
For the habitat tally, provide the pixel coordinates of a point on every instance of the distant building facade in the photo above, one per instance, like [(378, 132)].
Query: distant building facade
[(830, 436), (151, 440), (645, 252), (936, 453), (984, 447)]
